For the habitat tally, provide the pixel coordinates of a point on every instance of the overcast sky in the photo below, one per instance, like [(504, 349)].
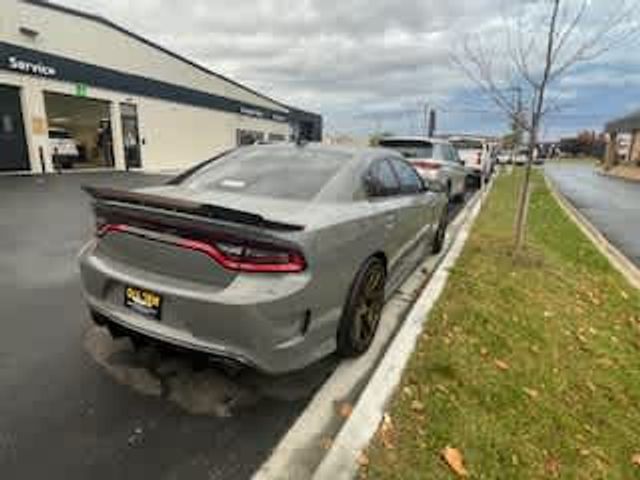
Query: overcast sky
[(373, 64)]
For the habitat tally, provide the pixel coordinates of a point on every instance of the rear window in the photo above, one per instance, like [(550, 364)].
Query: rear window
[(410, 148), (287, 173), (467, 144)]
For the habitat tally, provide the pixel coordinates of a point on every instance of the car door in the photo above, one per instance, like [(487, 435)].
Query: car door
[(458, 169), (417, 216), (383, 189)]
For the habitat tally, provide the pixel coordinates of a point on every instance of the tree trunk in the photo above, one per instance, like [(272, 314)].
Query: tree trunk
[(523, 201), (536, 114)]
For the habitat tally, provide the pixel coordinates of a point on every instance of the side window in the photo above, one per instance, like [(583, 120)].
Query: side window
[(381, 181), (440, 152), (453, 154), (410, 181)]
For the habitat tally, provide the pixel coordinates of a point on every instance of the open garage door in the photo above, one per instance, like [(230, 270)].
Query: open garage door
[(79, 132), (13, 148)]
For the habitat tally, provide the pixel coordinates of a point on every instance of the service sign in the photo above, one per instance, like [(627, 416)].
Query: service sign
[(30, 67)]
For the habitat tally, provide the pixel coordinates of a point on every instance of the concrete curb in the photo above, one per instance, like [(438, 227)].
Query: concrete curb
[(604, 173), (340, 463), (615, 256)]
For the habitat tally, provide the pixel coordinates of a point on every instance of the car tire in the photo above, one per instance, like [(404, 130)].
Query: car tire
[(362, 312), (441, 233), (449, 192)]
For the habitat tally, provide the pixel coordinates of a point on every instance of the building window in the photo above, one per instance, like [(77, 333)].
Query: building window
[(248, 137)]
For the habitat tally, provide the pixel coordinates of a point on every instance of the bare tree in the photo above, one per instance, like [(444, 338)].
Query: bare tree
[(537, 44)]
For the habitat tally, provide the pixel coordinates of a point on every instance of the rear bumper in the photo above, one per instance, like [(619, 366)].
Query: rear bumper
[(267, 321)]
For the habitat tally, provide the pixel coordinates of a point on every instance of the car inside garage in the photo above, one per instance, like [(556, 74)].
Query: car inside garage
[(79, 132)]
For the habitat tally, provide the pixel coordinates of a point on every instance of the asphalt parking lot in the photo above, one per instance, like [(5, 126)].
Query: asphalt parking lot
[(74, 404), (62, 413)]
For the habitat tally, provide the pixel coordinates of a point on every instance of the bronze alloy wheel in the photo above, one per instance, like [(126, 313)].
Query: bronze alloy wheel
[(362, 314)]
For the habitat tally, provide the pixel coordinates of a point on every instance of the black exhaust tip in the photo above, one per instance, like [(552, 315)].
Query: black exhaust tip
[(115, 331), (99, 319)]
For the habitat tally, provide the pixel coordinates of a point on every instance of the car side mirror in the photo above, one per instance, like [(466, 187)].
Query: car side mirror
[(434, 186)]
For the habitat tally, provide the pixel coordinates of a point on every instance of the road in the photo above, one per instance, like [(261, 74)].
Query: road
[(612, 205), (67, 409)]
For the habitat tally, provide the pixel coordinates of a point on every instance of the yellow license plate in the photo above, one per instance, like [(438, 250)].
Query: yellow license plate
[(143, 301)]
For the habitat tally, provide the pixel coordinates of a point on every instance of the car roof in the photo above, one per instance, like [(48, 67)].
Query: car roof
[(457, 138), (417, 139), (355, 153)]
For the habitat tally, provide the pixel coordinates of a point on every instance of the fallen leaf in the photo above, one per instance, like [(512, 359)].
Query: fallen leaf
[(417, 406), (363, 459), (326, 443), (635, 459), (454, 459), (501, 364), (531, 392), (344, 409), (624, 294), (484, 352), (552, 466), (386, 432)]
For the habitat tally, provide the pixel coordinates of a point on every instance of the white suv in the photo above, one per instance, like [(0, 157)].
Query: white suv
[(434, 159), (63, 148), (476, 154)]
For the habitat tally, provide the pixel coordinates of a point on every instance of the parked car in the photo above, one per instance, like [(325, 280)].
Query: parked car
[(434, 159), (476, 155), (270, 256), (63, 148), (504, 157), (521, 156)]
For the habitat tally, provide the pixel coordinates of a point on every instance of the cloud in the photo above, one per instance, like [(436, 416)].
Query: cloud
[(344, 58)]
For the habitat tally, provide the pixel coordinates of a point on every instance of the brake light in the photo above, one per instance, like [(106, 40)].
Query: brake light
[(426, 165), (103, 229), (247, 258), (242, 257)]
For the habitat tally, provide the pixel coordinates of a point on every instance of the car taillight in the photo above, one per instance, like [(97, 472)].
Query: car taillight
[(248, 258), (479, 158), (103, 228), (426, 165), (242, 257)]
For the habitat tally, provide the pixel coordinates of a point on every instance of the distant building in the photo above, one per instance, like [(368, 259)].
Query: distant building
[(623, 145)]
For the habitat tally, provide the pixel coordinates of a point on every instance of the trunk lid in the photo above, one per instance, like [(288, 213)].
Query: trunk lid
[(181, 234)]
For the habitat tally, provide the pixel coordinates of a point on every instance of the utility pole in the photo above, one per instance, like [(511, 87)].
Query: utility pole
[(426, 119), (432, 122)]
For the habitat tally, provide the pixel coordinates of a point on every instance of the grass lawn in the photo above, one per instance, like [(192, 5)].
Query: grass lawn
[(530, 369)]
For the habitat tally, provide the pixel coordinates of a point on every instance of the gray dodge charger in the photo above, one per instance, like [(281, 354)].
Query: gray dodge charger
[(268, 256)]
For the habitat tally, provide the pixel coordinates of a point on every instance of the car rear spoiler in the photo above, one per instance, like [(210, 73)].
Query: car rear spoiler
[(203, 210)]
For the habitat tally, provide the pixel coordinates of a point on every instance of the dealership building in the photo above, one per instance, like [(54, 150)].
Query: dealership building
[(79, 92)]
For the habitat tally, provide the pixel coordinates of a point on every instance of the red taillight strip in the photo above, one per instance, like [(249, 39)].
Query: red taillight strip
[(427, 165), (295, 264), (112, 227)]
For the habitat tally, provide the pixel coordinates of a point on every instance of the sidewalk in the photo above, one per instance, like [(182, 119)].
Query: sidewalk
[(528, 368), (625, 172)]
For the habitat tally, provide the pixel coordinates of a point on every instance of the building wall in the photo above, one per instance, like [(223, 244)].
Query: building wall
[(175, 135), (92, 42)]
